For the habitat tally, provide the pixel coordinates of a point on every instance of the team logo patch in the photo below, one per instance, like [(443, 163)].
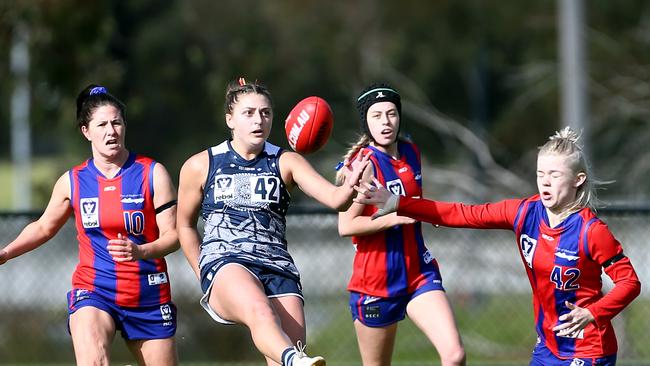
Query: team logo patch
[(527, 246), (89, 208), (396, 187), (157, 278), (166, 313), (223, 188)]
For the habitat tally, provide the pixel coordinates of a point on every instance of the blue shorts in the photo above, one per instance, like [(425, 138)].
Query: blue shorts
[(276, 284), (374, 311), (146, 322), (542, 356)]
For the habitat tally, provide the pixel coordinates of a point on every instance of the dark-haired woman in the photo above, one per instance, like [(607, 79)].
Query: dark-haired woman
[(125, 215), (241, 188), (393, 273)]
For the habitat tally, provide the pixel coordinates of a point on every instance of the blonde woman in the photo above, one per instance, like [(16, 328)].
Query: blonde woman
[(564, 248)]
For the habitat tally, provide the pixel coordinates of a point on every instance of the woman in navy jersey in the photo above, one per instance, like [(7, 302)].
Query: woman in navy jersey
[(393, 273), (125, 215), (564, 248), (241, 187)]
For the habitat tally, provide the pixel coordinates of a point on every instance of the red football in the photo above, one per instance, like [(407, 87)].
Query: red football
[(309, 125)]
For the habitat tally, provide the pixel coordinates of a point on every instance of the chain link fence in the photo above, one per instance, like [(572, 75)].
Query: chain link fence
[(482, 273)]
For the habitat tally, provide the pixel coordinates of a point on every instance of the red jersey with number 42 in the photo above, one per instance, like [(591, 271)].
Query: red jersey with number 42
[(563, 264), (104, 207)]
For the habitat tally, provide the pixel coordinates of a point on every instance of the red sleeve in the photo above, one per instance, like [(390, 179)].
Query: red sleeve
[(498, 215), (603, 247)]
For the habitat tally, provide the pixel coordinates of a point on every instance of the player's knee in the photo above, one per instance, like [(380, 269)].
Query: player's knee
[(454, 356), (261, 312)]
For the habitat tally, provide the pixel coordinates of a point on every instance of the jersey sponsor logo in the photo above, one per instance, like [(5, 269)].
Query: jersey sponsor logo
[(577, 362), (548, 237), (370, 299), (81, 294), (223, 188), (109, 188), (527, 246), (133, 200), (396, 187), (561, 254), (157, 278), (89, 212), (372, 312), (403, 169), (427, 257)]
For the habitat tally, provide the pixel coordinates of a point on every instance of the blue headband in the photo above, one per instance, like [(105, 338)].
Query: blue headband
[(98, 90)]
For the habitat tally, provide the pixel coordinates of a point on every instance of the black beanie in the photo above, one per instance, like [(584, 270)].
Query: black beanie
[(375, 93)]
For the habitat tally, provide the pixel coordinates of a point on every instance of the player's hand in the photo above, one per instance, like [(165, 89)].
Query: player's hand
[(375, 194), (353, 170), (574, 321), (4, 256), (123, 250)]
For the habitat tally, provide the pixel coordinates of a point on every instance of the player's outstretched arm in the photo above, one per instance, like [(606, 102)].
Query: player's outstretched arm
[(38, 232), (297, 170)]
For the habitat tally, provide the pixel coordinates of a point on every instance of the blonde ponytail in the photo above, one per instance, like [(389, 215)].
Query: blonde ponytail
[(363, 141)]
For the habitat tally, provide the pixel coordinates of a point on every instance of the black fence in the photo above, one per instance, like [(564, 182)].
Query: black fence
[(481, 270)]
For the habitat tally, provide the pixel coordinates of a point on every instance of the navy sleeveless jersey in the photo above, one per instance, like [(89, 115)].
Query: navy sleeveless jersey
[(244, 207)]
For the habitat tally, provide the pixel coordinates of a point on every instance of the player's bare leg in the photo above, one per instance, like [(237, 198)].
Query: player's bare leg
[(92, 333), (375, 344), (154, 352), (238, 296), (432, 313)]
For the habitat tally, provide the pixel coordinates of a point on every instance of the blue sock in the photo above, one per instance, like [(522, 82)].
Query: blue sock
[(287, 356)]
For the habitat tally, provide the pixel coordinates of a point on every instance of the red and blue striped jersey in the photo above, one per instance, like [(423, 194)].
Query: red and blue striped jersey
[(563, 263), (104, 207), (393, 262)]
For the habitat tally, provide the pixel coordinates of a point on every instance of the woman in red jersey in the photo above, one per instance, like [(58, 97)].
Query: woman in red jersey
[(125, 215), (563, 245), (393, 272)]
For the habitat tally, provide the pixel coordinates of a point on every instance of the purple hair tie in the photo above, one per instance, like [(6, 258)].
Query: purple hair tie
[(98, 90)]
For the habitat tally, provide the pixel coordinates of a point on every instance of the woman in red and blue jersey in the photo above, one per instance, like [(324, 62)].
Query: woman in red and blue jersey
[(564, 248), (393, 273), (125, 215)]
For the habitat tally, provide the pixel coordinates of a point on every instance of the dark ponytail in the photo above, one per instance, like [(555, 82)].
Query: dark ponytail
[(93, 97)]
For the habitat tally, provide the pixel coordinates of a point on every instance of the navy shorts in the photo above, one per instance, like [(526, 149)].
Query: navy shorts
[(276, 284), (145, 322), (374, 311), (542, 356)]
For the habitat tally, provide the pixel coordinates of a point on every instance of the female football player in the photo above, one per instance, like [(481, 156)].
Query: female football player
[(563, 245), (241, 188), (125, 214), (393, 273)]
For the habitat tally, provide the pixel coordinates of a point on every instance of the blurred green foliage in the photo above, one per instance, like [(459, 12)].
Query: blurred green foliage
[(490, 66)]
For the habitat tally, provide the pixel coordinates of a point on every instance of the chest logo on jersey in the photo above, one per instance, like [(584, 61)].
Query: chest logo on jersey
[(396, 187), (527, 246), (157, 278), (223, 188), (89, 208)]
